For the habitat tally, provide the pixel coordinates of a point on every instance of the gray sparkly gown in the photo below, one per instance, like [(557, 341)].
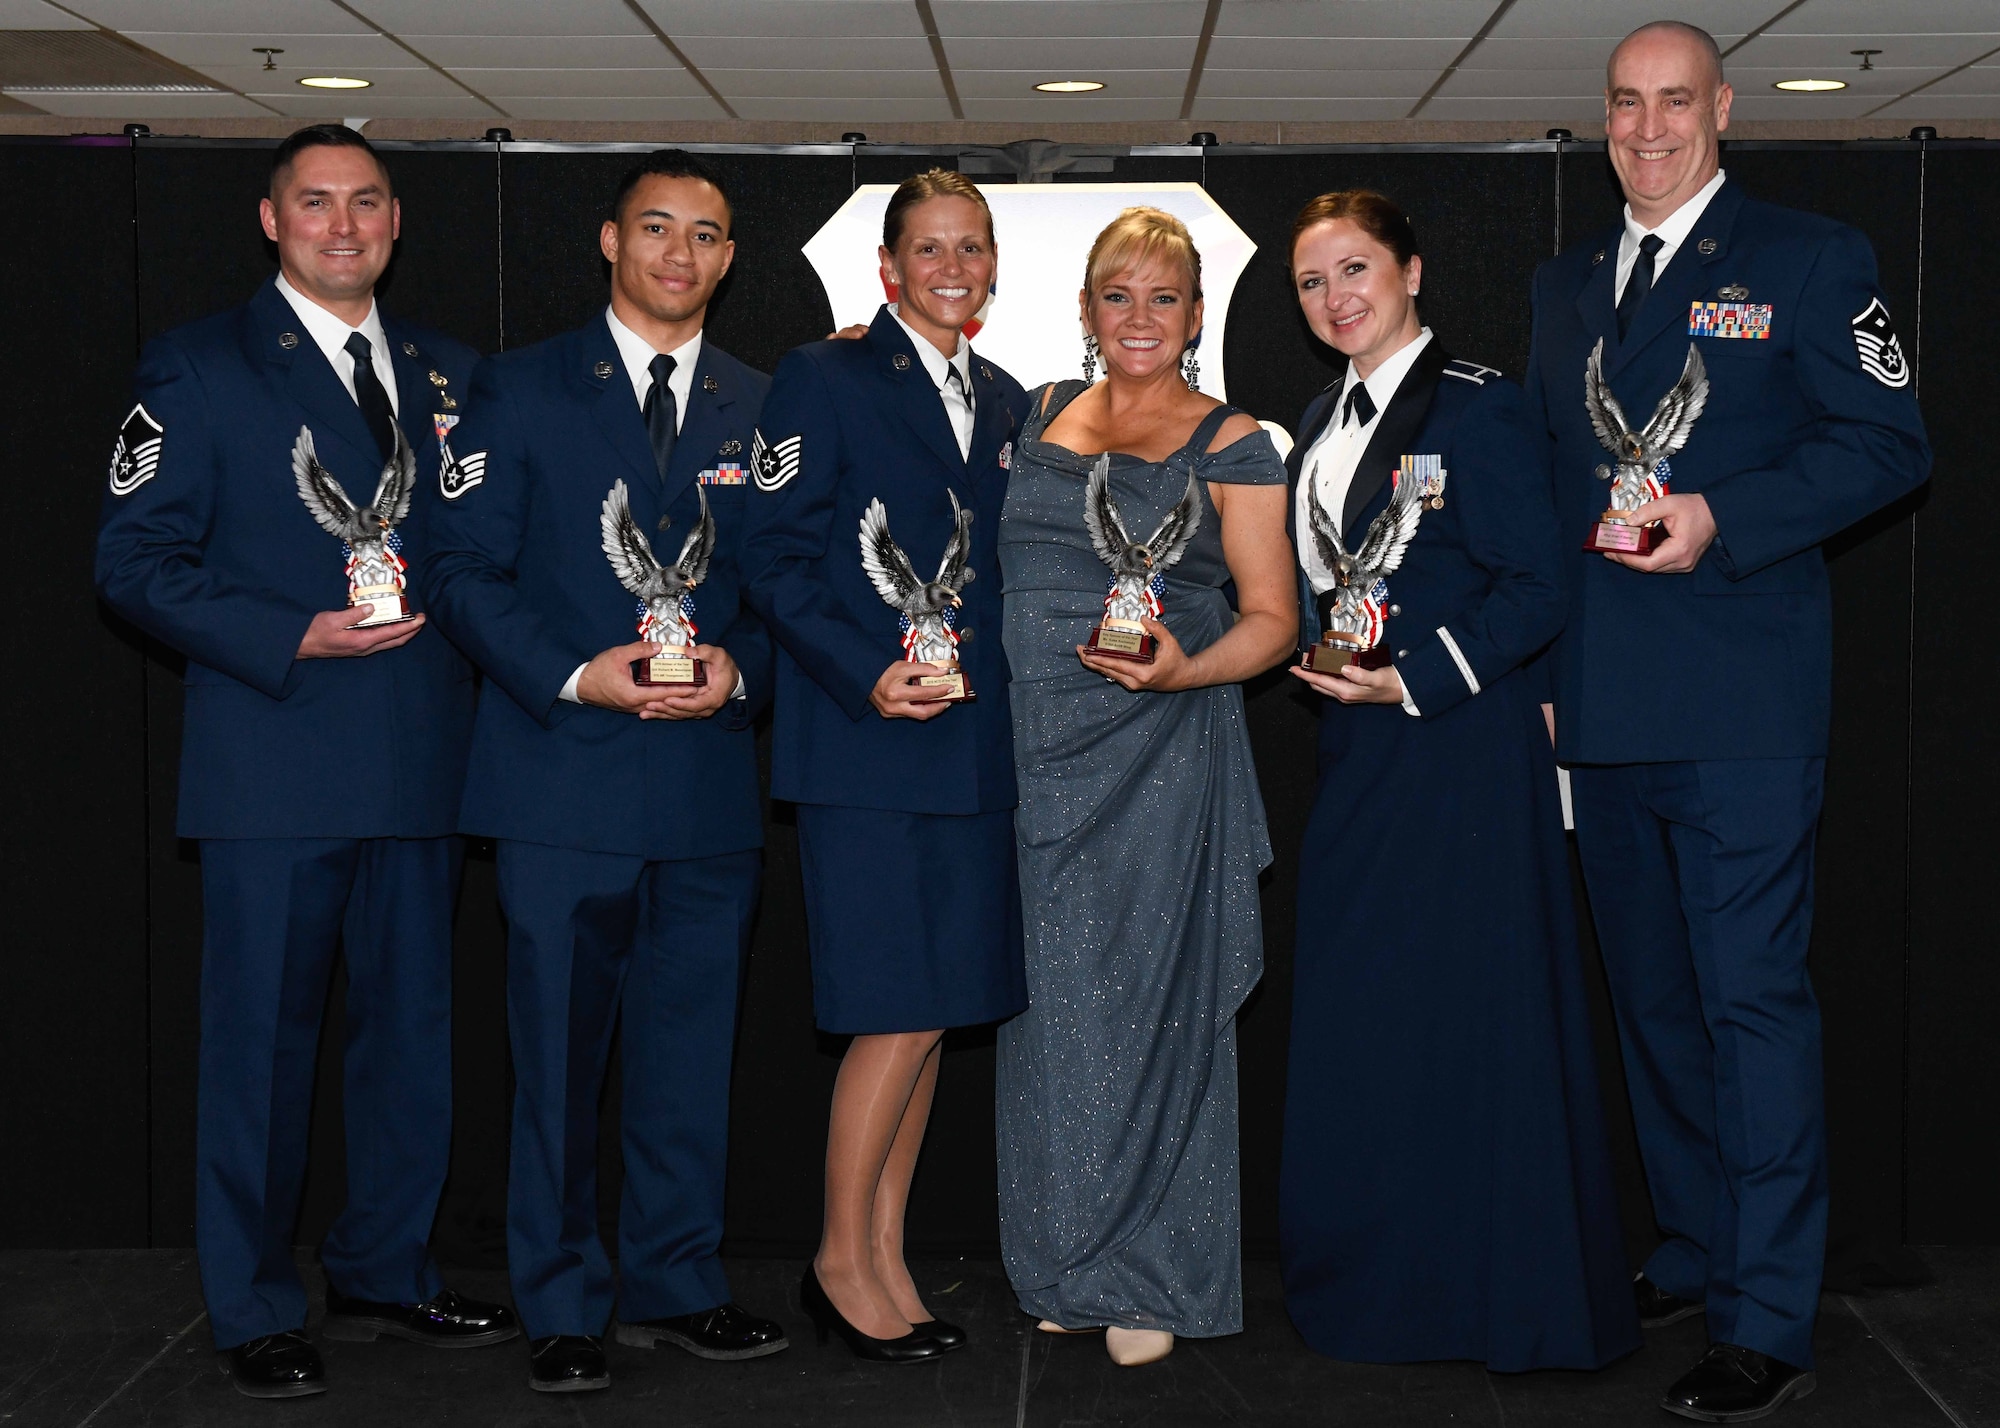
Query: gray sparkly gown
[(1141, 834)]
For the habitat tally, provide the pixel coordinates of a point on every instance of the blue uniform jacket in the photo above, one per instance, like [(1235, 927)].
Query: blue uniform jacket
[(1806, 431), (517, 575), (1479, 591), (205, 545), (870, 424)]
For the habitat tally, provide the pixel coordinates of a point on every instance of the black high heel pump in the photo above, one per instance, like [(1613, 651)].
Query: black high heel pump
[(914, 1347)]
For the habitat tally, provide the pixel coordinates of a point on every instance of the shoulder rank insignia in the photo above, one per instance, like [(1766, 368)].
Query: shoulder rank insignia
[(773, 464), (1469, 371), (135, 457), (1730, 319), (461, 474), (1880, 350)]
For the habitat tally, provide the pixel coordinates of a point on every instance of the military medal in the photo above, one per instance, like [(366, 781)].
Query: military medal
[(1642, 472), (929, 612), (369, 541), (666, 592), (1357, 616), (1730, 319), (1138, 570)]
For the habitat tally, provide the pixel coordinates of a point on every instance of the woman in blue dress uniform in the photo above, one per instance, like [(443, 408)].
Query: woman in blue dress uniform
[(905, 802), (1445, 1189)]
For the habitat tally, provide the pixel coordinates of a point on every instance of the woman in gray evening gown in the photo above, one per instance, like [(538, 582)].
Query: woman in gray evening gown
[(1140, 827)]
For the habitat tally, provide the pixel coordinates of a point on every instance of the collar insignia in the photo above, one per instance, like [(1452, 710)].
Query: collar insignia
[(1707, 245), (708, 385), (603, 369), (409, 349), (1597, 257), (288, 340), (901, 361)]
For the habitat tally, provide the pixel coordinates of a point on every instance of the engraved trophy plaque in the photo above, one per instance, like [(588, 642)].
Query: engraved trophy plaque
[(666, 592), (376, 575), (1357, 608), (929, 610), (1641, 473), (1138, 570)]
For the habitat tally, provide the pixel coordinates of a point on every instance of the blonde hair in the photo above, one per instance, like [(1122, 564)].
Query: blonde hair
[(1137, 236), (931, 183)]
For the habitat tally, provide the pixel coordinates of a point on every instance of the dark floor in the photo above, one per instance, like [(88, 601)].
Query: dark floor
[(117, 1337)]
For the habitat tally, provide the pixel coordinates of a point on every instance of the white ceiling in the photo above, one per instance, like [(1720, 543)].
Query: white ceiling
[(853, 61)]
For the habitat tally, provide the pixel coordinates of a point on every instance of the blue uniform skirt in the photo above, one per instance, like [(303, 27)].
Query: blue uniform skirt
[(915, 918)]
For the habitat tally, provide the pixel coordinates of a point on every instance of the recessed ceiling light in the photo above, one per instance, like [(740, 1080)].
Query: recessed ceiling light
[(1069, 86), (1810, 86), (333, 81)]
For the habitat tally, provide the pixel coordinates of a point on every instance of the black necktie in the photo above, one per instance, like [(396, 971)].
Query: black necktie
[(661, 412), (369, 396), (1638, 284), (1360, 406)]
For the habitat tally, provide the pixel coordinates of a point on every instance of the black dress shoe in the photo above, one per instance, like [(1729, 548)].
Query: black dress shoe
[(277, 1366), (914, 1347), (1733, 1384), (567, 1363), (1657, 1308), (938, 1331), (444, 1321), (727, 1331)]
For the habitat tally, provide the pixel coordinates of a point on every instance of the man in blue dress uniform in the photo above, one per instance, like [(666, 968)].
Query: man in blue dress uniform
[(321, 764), (627, 817), (1694, 684)]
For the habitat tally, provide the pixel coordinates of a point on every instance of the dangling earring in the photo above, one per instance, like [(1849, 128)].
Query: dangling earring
[(1089, 357), (1190, 367)]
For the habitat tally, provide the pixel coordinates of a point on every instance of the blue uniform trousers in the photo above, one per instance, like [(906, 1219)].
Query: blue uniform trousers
[(275, 910), (655, 949), (1701, 884)]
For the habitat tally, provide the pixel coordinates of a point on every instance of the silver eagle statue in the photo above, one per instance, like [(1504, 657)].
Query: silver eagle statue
[(374, 562), (1359, 579), (665, 591), (929, 608), (1138, 568), (1639, 454)]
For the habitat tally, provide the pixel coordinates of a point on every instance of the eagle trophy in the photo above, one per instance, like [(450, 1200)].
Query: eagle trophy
[(666, 592), (929, 609), (1138, 568), (375, 570)]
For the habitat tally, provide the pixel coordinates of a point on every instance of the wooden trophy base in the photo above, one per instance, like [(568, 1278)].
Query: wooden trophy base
[(676, 671), (1122, 639), (948, 688), (1330, 656), (1614, 535), (390, 609)]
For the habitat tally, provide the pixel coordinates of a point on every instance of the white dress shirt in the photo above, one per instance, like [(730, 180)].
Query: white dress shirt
[(330, 334), (957, 397), (1329, 464), (1673, 232), (637, 354)]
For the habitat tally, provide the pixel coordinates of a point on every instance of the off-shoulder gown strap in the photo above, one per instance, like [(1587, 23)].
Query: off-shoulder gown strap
[(1048, 403)]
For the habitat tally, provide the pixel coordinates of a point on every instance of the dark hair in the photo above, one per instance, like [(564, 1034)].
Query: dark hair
[(1367, 210), (668, 163), (322, 136), (931, 183)]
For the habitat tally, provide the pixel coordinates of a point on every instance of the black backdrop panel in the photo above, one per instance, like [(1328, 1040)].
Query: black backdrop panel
[(1954, 1113), (73, 980)]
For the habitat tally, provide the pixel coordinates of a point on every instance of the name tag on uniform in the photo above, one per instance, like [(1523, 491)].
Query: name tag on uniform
[(728, 473), (1730, 319)]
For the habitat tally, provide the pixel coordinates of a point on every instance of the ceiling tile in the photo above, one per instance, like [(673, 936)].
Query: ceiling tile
[(846, 112), (1930, 17), (222, 17), (305, 104), (1841, 105), (118, 109), (1554, 52), (1573, 110), (1058, 110), (1300, 111), (34, 15), (1027, 19), (1381, 19), (850, 18), (1932, 105), (1830, 54), (1332, 53), (547, 51), (1501, 83), (837, 85), (413, 18), (1614, 19), (1118, 84), (585, 83), (397, 83), (626, 107), (1756, 83), (1316, 83), (303, 52), (1069, 54), (1981, 79), (808, 52)]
